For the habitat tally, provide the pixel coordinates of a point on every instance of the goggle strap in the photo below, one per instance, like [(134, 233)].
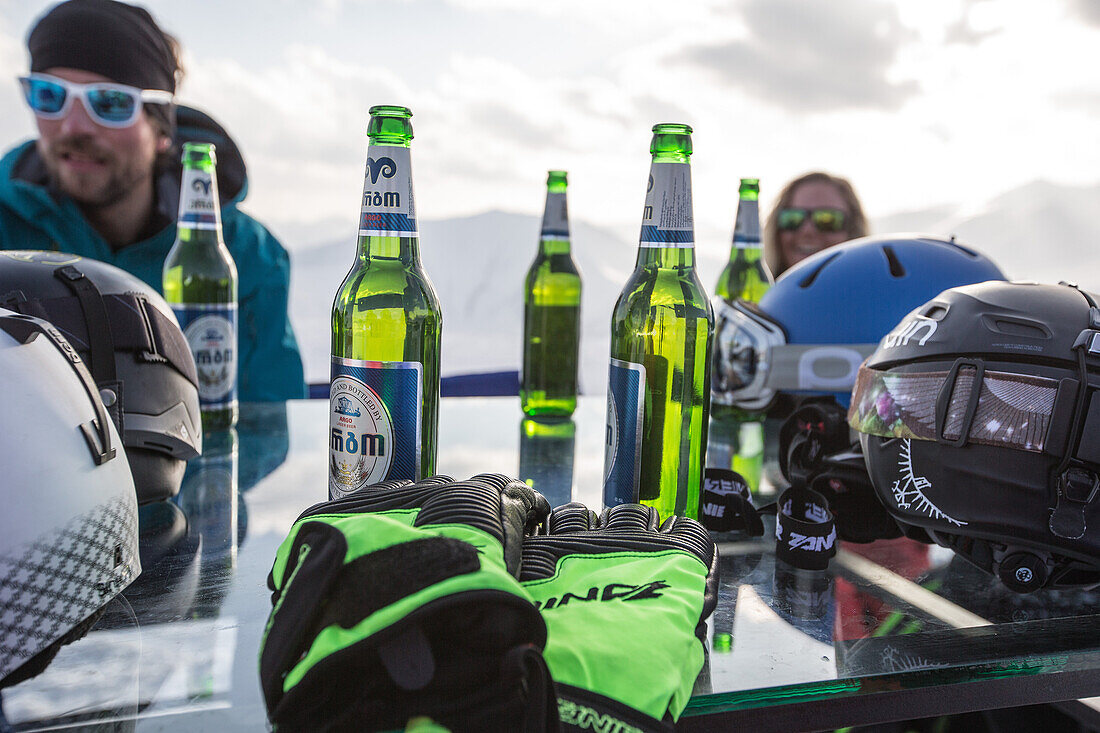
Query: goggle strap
[(790, 367), (944, 401)]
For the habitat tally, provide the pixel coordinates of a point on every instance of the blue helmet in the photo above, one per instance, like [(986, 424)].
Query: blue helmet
[(826, 314)]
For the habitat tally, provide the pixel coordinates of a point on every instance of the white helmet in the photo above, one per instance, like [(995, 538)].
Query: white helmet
[(68, 529)]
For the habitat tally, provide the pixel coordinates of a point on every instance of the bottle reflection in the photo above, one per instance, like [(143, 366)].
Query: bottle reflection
[(209, 498), (734, 568), (546, 448), (804, 598), (738, 445)]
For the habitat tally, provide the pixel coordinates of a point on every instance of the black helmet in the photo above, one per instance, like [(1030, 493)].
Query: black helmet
[(1007, 474), (133, 346)]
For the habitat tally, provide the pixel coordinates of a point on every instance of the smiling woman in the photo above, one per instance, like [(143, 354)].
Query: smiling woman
[(814, 211)]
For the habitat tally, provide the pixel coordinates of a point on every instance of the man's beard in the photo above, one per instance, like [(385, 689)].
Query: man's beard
[(91, 190)]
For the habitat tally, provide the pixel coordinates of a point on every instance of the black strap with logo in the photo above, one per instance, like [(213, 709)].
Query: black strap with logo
[(805, 531)]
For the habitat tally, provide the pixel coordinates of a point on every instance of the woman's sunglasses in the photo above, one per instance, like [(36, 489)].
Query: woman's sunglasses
[(826, 220), (110, 105)]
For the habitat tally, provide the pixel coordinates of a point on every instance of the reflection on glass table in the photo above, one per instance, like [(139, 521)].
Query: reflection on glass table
[(546, 448), (890, 630)]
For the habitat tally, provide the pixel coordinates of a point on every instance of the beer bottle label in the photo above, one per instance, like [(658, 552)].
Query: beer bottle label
[(667, 219), (374, 423), (211, 332), (746, 229), (555, 218), (198, 201), (623, 448), (388, 209)]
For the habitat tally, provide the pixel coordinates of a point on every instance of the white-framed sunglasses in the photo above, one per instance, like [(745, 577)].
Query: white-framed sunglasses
[(109, 104)]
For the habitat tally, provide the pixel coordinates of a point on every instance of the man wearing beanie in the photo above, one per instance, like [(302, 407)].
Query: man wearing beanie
[(103, 182)]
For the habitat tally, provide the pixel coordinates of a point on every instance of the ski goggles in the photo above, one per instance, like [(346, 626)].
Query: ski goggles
[(753, 361), (109, 104), (966, 404), (824, 219)]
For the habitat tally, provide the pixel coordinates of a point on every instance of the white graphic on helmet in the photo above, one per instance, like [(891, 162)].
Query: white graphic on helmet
[(898, 661), (908, 330), (909, 489)]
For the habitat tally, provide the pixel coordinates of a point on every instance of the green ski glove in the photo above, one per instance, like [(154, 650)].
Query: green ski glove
[(625, 600), (401, 600)]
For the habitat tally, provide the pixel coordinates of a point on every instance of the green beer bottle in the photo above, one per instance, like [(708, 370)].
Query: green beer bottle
[(386, 329), (661, 330), (746, 275), (551, 314), (200, 283)]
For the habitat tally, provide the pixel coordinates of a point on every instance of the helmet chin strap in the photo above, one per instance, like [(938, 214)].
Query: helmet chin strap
[(1076, 482)]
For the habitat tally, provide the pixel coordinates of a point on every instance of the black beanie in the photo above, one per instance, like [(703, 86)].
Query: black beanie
[(119, 41)]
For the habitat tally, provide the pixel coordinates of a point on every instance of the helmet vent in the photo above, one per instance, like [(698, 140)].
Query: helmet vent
[(896, 268), (1018, 327), (961, 248), (935, 311), (809, 279)]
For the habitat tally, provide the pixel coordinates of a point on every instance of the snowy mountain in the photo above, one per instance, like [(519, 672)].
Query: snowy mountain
[(477, 265), (1041, 231)]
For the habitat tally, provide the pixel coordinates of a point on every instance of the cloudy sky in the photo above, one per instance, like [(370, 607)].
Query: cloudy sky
[(920, 104)]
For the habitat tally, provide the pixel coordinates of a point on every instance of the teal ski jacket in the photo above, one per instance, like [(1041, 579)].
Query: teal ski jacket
[(32, 216)]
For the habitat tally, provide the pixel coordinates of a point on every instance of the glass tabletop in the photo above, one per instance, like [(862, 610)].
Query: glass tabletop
[(891, 629)]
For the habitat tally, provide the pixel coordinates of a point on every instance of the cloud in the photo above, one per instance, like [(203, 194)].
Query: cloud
[(1087, 10), (813, 57), (661, 110), (513, 124), (1085, 100), (961, 32)]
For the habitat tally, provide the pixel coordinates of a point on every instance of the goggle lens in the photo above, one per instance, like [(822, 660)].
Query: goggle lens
[(791, 219), (738, 356), (825, 219), (44, 96), (112, 105), (828, 220)]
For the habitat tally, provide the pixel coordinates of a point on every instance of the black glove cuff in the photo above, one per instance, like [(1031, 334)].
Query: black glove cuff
[(584, 711)]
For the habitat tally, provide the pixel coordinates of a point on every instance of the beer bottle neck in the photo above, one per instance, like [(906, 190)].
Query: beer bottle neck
[(554, 235), (668, 228), (387, 219), (200, 218), (680, 258), (405, 249), (746, 230), (554, 246)]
